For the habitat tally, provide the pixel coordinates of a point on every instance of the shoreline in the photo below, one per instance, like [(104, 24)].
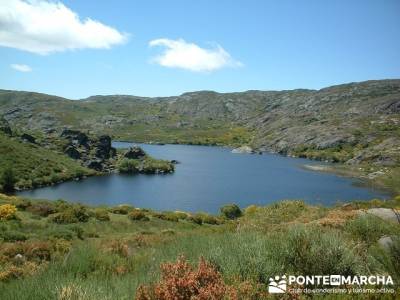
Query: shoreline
[(344, 171)]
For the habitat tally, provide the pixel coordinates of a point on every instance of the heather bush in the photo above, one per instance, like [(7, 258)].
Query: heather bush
[(180, 280)]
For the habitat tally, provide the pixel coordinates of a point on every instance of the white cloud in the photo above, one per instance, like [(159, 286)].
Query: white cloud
[(189, 56), (43, 27), (21, 68)]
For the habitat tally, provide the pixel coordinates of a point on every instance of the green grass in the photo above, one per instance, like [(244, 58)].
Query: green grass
[(109, 258), (35, 166)]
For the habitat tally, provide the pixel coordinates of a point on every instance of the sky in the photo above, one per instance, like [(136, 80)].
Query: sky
[(76, 49)]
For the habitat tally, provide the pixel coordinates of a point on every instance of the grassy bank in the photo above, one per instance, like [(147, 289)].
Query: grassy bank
[(58, 250), (35, 166)]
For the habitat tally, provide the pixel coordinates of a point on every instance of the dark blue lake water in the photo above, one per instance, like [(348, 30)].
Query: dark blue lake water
[(209, 177)]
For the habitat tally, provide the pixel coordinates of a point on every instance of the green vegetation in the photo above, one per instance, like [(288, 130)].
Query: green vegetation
[(145, 165), (26, 165), (355, 124), (8, 180), (116, 253), (231, 211)]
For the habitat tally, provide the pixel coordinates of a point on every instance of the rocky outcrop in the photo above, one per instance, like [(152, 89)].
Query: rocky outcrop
[(103, 148), (386, 214), (28, 138), (76, 137), (72, 152), (96, 164), (134, 152), (243, 149), (94, 153)]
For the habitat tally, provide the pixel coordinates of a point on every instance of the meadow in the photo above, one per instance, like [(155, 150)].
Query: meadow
[(59, 250)]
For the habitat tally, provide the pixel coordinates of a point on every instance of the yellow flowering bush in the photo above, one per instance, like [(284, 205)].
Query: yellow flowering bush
[(7, 212)]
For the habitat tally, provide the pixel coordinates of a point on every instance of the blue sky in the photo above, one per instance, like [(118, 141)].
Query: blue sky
[(220, 45)]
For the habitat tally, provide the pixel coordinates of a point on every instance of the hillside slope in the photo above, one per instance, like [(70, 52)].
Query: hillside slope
[(353, 123)]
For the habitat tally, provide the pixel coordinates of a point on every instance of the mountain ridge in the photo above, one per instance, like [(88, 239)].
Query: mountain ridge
[(297, 122)]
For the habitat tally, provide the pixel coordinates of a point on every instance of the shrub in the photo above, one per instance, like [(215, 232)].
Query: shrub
[(251, 210), (101, 214), (118, 247), (231, 211), (128, 165), (181, 215), (31, 250), (66, 217), (62, 233), (370, 228), (151, 165), (8, 180), (197, 219), (77, 229), (181, 281), (21, 204), (122, 209), (166, 216), (42, 209), (74, 214), (311, 250), (13, 236), (207, 219), (137, 215), (388, 257), (81, 213), (7, 212)]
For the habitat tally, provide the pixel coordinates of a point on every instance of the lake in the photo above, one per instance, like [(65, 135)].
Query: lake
[(209, 177)]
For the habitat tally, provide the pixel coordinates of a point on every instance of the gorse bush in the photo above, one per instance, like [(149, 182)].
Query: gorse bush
[(167, 216), (7, 212), (73, 214)]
